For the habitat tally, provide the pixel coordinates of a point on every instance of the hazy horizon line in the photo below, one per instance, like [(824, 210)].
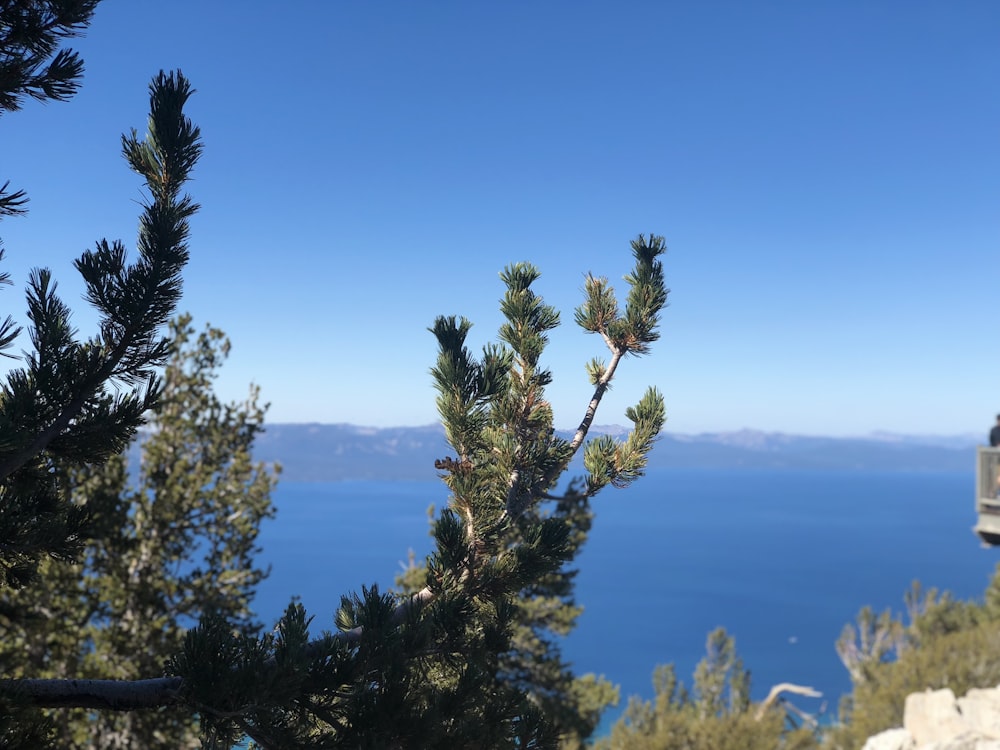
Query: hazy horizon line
[(880, 433)]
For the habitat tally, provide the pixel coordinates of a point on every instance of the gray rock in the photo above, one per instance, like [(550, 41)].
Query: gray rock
[(965, 741), (891, 739), (935, 720), (980, 708), (932, 716)]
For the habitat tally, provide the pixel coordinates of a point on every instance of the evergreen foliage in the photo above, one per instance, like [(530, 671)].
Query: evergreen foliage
[(546, 612), (939, 642), (173, 545), (433, 669), (502, 430), (429, 669), (715, 714), (520, 455), (32, 66), (76, 402)]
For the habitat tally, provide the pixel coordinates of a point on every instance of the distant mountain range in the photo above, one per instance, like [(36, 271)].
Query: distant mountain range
[(333, 452)]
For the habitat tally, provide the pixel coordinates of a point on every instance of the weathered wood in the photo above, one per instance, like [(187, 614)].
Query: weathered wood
[(778, 690)]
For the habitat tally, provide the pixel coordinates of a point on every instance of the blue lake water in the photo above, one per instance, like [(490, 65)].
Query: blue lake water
[(782, 559)]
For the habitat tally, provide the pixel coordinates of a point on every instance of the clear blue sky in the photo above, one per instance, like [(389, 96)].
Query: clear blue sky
[(826, 174)]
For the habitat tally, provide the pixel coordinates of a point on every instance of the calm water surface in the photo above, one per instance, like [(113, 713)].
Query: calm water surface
[(782, 559)]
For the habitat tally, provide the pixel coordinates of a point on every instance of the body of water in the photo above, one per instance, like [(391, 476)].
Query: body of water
[(781, 559)]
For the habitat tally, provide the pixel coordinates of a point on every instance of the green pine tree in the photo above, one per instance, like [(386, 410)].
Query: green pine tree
[(174, 544), (507, 446), (506, 443), (504, 539), (430, 670), (437, 668), (76, 402), (73, 401)]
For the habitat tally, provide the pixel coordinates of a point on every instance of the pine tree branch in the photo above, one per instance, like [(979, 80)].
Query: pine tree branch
[(595, 400), (132, 695), (113, 695), (87, 390), (581, 433), (15, 461), (353, 636), (162, 243)]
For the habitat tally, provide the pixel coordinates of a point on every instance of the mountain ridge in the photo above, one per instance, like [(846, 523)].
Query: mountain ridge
[(316, 451)]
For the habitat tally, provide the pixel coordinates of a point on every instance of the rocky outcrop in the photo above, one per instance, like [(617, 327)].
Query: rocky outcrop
[(936, 720)]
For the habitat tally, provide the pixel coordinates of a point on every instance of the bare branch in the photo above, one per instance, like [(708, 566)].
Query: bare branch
[(784, 687), (114, 695), (595, 400)]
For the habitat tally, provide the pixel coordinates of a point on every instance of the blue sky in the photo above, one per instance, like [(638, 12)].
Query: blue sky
[(825, 174)]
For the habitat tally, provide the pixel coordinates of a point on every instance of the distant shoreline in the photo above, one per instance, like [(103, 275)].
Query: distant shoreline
[(334, 452)]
